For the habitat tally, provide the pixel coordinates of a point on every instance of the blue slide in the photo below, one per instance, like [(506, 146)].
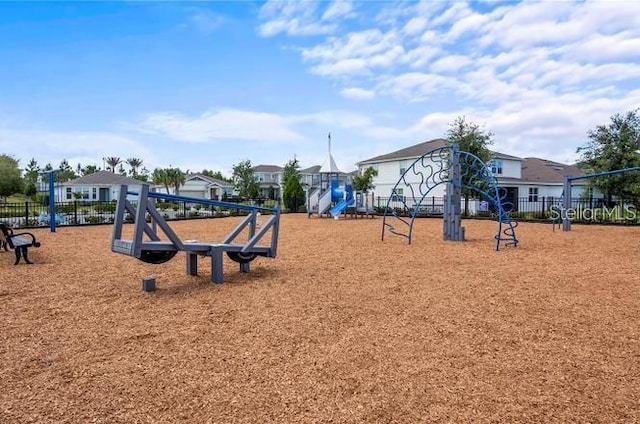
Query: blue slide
[(341, 206)]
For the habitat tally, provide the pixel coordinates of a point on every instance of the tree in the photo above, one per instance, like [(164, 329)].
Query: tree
[(31, 178), (244, 180), (31, 172), (65, 172), (134, 164), (217, 175), (176, 178), (89, 169), (112, 161), (160, 177), (612, 147), (143, 175), (122, 171), (470, 138), (364, 181), (45, 173), (292, 192), (10, 179)]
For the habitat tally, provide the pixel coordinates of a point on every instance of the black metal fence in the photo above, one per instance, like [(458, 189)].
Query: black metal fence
[(78, 212), (592, 210)]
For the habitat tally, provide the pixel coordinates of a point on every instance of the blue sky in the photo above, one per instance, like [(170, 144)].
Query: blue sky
[(208, 84)]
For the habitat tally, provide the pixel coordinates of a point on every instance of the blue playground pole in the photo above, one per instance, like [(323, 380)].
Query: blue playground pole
[(52, 202)]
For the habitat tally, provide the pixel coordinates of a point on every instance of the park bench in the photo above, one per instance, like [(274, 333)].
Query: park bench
[(19, 242)]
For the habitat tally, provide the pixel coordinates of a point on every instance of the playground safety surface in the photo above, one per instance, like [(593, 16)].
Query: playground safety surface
[(340, 327)]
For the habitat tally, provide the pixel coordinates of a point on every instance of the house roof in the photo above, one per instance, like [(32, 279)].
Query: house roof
[(546, 171), (267, 168), (311, 170), (414, 151), (420, 149), (498, 155), (105, 178), (209, 179)]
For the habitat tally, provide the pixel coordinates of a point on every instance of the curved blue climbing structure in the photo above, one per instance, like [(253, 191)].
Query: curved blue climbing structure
[(458, 170)]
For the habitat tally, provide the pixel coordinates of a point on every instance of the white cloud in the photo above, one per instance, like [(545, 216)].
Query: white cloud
[(85, 147), (338, 9), (450, 63), (221, 125), (301, 18), (357, 93), (415, 26)]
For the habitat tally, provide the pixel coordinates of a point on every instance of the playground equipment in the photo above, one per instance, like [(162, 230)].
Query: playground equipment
[(52, 219), (342, 197), (155, 250), (566, 193), (457, 169), (331, 197)]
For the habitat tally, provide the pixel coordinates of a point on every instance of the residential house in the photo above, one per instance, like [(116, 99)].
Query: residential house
[(541, 180), (204, 187), (103, 186), (269, 179), (524, 181), (310, 177)]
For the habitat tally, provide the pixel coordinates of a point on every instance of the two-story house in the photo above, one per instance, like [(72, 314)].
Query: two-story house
[(269, 179), (523, 181)]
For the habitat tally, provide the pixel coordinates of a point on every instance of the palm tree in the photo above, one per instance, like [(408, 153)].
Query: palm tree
[(134, 164), (176, 178), (160, 177), (112, 161)]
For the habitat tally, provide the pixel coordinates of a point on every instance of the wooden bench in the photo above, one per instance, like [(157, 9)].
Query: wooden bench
[(19, 242)]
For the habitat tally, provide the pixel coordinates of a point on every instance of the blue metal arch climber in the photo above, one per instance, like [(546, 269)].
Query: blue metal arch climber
[(457, 169)]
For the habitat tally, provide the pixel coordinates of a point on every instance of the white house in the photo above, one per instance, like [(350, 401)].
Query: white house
[(269, 179), (525, 181), (103, 186), (203, 187)]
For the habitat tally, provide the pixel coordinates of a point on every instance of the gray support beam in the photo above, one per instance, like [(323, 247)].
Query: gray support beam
[(192, 263), (566, 205), (233, 234), (119, 217), (139, 220), (217, 275), (452, 225)]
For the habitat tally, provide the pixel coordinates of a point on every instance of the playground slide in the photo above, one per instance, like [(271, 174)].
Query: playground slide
[(340, 207), (324, 202)]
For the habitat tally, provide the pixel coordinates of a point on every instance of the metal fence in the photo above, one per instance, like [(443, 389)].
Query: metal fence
[(592, 210), (78, 212)]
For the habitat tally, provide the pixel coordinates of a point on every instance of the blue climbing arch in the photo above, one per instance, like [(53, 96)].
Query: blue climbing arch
[(457, 170)]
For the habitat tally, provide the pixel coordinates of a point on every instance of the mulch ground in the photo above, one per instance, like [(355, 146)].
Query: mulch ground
[(340, 328)]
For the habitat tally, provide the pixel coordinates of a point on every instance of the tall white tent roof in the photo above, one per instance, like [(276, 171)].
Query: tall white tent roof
[(329, 166)]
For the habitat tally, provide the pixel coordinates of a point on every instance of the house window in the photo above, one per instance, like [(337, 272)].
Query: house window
[(533, 194), (85, 193), (496, 166), (94, 193), (69, 194), (403, 166)]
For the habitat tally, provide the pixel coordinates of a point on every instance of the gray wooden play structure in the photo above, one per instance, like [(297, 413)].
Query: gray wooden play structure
[(148, 245)]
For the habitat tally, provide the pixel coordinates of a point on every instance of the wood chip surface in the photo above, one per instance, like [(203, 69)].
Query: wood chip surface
[(339, 328)]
